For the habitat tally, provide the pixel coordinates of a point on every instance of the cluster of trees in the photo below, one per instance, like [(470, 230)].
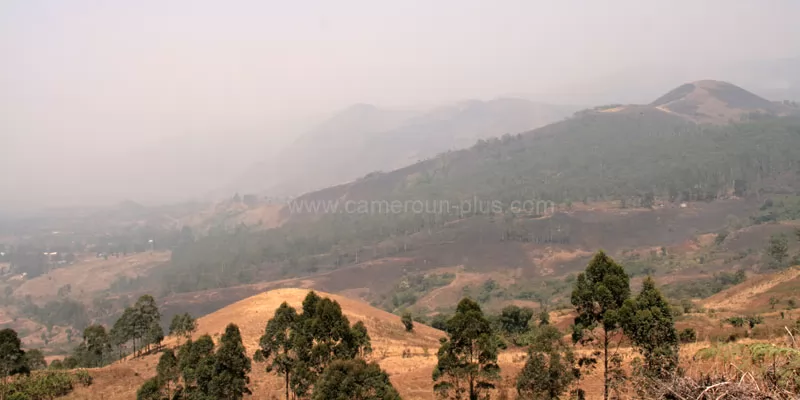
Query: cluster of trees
[(316, 351), (139, 326), (606, 314), (313, 349), (56, 312), (201, 370)]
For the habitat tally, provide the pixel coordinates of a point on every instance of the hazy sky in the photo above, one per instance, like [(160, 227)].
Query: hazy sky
[(158, 100)]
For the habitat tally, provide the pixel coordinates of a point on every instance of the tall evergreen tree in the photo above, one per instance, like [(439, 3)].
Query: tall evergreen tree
[(277, 346), (231, 366), (354, 380), (150, 390), (598, 295), (196, 363), (167, 370), (360, 340), (154, 335), (551, 367), (145, 313), (647, 320), (183, 325), (467, 360)]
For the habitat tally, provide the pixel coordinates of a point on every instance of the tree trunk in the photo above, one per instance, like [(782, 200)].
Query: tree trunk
[(287, 386), (605, 364), (472, 389)]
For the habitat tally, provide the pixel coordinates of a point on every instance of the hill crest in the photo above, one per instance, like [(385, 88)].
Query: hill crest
[(716, 102), (251, 315)]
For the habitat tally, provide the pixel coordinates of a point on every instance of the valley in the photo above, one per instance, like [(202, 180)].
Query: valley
[(708, 207)]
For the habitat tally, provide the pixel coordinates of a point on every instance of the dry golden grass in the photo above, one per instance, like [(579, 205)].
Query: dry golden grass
[(410, 375), (741, 296), (90, 275)]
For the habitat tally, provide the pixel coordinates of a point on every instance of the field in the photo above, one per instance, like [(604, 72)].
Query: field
[(90, 275)]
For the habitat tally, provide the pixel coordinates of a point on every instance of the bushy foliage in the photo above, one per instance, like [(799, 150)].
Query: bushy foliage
[(12, 357), (514, 319), (354, 380), (231, 366), (300, 346), (408, 321), (647, 321), (183, 325), (687, 335), (45, 385), (551, 368)]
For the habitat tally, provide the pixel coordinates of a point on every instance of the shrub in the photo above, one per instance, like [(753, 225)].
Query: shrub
[(687, 335)]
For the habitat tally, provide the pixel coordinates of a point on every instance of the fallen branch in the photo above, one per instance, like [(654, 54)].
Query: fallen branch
[(711, 387)]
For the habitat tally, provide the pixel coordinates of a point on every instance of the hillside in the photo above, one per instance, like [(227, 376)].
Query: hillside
[(717, 102), (588, 182), (364, 138), (389, 340)]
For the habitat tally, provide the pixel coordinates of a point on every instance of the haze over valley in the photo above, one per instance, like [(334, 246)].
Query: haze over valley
[(346, 200)]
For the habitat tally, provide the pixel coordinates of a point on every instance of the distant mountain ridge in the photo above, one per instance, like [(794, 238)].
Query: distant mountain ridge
[(579, 157), (364, 138)]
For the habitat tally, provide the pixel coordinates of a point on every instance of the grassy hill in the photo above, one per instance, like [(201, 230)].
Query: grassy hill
[(389, 340)]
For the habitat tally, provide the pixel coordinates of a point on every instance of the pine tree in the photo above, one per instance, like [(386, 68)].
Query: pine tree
[(467, 360), (647, 320), (231, 366), (598, 295), (354, 380)]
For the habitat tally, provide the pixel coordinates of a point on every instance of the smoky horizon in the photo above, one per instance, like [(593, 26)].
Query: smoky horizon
[(104, 102)]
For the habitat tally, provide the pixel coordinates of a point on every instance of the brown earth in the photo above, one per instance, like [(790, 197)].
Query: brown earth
[(89, 275)]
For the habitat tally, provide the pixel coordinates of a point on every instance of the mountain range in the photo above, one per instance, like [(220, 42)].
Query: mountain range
[(364, 138)]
